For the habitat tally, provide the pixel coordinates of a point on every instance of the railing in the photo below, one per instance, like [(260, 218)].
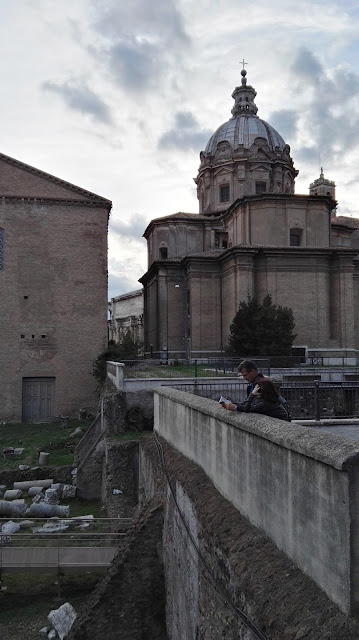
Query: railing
[(199, 368), (66, 550), (312, 400), (223, 367)]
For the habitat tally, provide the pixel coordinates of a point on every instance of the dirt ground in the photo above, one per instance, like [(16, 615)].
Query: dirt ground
[(26, 603)]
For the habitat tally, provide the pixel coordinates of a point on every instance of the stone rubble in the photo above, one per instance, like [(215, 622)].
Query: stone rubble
[(62, 619), (51, 496)]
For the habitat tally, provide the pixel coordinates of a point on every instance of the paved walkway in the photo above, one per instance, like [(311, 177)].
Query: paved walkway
[(345, 431)]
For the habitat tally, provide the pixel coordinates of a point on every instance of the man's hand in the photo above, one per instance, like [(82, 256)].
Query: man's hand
[(229, 406)]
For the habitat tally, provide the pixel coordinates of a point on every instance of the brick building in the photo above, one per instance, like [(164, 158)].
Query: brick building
[(53, 291), (252, 236)]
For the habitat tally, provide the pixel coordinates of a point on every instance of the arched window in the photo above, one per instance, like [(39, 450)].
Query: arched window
[(1, 249)]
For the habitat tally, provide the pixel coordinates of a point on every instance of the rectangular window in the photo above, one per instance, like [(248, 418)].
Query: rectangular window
[(261, 187), (295, 237), (224, 193)]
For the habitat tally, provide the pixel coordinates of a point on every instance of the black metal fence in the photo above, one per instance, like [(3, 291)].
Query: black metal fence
[(315, 400), (209, 367), (199, 368)]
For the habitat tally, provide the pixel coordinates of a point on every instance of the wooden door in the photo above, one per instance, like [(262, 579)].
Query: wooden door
[(38, 399)]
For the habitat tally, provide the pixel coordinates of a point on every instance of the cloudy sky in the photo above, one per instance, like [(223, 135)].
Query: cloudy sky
[(120, 96)]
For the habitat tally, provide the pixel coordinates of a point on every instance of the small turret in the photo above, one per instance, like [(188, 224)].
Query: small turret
[(322, 187)]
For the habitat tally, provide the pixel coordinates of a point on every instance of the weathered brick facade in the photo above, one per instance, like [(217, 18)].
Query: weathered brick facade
[(252, 237), (53, 290)]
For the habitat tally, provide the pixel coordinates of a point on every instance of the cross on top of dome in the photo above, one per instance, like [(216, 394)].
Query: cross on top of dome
[(244, 96), (243, 72)]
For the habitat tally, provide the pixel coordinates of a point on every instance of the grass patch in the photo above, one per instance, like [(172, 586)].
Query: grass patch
[(49, 437), (178, 371)]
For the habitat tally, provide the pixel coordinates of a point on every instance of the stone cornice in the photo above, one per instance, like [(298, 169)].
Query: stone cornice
[(99, 203)]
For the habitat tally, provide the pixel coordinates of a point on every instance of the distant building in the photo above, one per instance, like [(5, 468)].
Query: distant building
[(252, 237), (53, 292), (126, 314)]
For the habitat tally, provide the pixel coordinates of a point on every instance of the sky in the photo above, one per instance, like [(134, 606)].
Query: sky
[(120, 96)]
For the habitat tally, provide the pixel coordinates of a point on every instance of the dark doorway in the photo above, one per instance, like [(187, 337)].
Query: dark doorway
[(38, 399)]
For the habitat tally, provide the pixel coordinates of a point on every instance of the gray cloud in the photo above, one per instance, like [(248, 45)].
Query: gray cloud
[(117, 285), (133, 229), (134, 64), (158, 20), (306, 66), (185, 135), (330, 117), (140, 41), (285, 121), (79, 97)]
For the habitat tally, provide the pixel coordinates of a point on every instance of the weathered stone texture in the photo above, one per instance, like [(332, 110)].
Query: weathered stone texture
[(129, 602), (227, 560), (53, 287), (121, 474)]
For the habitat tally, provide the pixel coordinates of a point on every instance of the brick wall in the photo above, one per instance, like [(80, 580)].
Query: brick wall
[(53, 291)]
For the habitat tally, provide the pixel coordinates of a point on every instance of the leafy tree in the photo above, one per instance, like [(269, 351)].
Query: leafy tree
[(126, 349), (261, 329)]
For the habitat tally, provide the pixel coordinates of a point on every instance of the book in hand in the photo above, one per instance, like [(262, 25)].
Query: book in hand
[(224, 400)]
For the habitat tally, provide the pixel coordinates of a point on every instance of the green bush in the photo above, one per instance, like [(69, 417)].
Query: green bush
[(126, 349)]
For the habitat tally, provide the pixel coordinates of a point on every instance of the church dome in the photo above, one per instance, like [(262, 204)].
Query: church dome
[(243, 129), (246, 156)]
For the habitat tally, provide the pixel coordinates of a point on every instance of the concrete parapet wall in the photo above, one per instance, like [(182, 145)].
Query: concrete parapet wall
[(299, 486)]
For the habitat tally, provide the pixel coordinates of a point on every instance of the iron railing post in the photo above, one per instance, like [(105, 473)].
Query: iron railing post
[(316, 400), (195, 369)]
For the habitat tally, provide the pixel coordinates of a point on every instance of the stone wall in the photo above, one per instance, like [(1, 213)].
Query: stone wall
[(217, 563), (290, 481), (129, 603), (54, 291), (104, 462), (121, 474)]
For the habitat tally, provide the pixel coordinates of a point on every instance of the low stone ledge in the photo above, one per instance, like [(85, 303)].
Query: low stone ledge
[(324, 447)]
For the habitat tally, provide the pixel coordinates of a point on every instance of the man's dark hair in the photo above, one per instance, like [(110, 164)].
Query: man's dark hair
[(248, 365)]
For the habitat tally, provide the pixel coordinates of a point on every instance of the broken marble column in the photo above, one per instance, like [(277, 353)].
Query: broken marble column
[(26, 484), (12, 494), (34, 491), (14, 510), (43, 510), (43, 458), (58, 487)]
